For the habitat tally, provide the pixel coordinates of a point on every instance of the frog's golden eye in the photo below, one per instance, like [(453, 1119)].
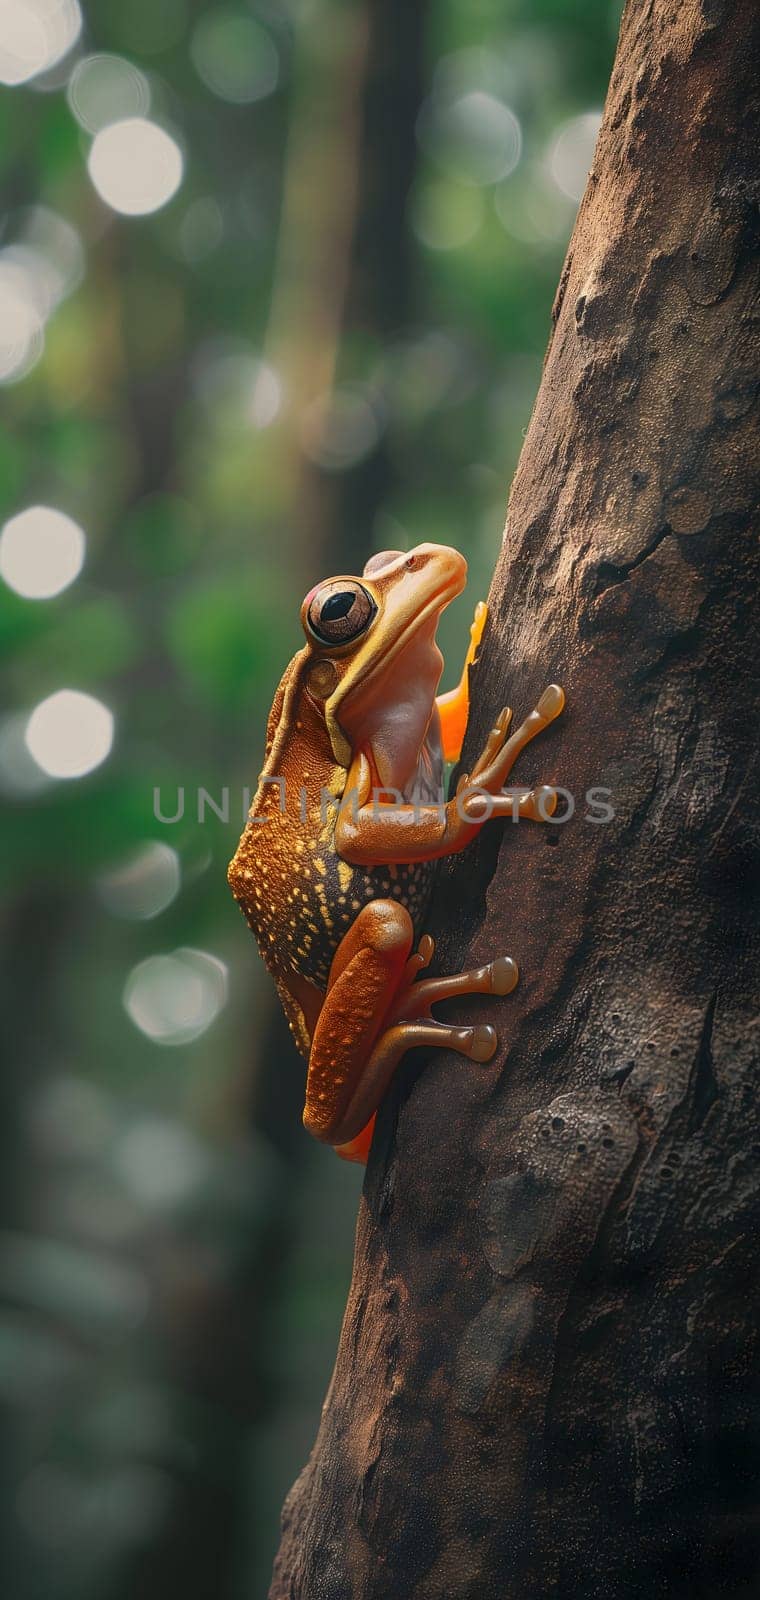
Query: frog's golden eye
[(340, 611)]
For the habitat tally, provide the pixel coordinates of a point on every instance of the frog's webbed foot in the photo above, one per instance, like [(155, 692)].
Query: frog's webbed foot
[(415, 1001), (411, 1023), (374, 1012)]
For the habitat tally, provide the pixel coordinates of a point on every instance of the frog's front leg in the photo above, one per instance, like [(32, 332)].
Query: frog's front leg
[(368, 832), (372, 1015)]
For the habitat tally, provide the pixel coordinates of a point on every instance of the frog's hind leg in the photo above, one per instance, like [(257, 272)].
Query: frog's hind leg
[(477, 1043), (403, 1028), (367, 970), (410, 1023), (358, 1040)]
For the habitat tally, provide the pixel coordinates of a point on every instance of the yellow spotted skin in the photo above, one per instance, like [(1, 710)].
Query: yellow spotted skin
[(298, 895), (350, 1015)]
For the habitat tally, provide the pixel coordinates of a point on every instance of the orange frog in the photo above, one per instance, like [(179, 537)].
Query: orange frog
[(334, 869)]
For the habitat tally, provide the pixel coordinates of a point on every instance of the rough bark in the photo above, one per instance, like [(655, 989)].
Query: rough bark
[(547, 1376)]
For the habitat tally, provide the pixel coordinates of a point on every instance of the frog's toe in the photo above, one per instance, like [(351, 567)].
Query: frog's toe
[(483, 1043), (551, 702), (426, 950), (542, 803), (504, 975)]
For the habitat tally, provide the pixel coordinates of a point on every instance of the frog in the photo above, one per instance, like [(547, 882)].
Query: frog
[(335, 866)]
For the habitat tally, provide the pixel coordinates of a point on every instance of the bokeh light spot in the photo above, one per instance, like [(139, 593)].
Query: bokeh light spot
[(51, 252), (41, 552), (44, 263), (427, 373), (237, 385), (573, 152), (174, 998), (106, 88), (22, 328), (144, 885), (532, 210), (70, 733), (265, 395), (135, 166), (341, 429), (474, 137), (234, 56), (161, 1161), (34, 34)]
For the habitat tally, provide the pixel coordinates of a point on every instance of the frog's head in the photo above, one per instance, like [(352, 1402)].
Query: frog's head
[(375, 665)]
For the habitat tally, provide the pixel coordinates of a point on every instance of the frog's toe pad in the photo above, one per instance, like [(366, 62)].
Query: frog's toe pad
[(543, 803), (484, 1042), (504, 975), (551, 702)]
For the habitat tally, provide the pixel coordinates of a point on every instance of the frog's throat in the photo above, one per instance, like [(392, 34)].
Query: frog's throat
[(419, 632)]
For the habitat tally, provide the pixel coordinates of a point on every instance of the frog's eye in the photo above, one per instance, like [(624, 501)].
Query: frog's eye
[(340, 611)]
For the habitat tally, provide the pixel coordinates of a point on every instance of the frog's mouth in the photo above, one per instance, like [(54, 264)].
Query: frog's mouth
[(385, 705)]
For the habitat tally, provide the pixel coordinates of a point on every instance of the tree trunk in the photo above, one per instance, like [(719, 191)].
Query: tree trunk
[(546, 1381)]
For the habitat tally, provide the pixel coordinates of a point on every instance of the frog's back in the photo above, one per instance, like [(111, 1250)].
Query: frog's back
[(297, 894)]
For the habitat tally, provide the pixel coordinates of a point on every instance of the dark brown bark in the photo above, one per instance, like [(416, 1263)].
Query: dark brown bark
[(547, 1377)]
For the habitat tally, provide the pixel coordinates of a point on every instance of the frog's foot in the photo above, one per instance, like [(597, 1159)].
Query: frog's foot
[(477, 1044), (538, 805), (491, 748), (500, 753), (498, 977), (370, 1018), (504, 973)]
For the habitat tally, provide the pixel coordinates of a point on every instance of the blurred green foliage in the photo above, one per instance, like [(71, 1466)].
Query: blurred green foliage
[(176, 1257)]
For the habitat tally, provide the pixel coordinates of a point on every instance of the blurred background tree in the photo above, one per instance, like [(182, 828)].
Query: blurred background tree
[(275, 284)]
